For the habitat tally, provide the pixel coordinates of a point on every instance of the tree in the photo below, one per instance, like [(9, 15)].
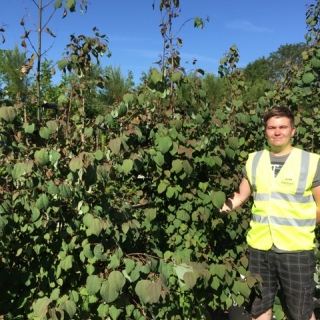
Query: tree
[(215, 89), (15, 82), (116, 85), (274, 67), (258, 70), (286, 56), (43, 28)]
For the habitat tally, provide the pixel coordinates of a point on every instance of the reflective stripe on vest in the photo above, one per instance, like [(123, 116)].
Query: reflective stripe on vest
[(284, 221)]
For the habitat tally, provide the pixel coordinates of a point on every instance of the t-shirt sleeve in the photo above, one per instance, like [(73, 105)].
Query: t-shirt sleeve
[(316, 179)]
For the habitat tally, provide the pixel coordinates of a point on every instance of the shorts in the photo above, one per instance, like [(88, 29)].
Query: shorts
[(294, 272)]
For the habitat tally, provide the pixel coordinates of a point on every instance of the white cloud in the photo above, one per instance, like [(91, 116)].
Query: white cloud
[(247, 26)]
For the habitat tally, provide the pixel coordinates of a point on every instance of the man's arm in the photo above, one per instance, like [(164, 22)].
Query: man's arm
[(241, 195), (316, 196)]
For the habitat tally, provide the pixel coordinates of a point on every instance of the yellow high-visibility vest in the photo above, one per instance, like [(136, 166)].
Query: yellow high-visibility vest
[(284, 211)]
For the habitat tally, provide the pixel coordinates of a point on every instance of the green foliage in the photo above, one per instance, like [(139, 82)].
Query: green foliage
[(129, 228), (115, 85), (16, 83), (276, 65), (132, 231)]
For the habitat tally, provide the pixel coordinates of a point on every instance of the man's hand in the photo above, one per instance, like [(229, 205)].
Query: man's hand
[(227, 207)]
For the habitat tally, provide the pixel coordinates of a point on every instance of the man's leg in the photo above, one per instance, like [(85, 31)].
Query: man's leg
[(296, 276), (265, 316), (268, 316), (262, 263)]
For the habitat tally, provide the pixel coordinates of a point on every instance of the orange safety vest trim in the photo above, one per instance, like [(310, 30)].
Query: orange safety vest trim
[(284, 211)]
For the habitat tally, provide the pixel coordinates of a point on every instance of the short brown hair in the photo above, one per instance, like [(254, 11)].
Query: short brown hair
[(279, 111)]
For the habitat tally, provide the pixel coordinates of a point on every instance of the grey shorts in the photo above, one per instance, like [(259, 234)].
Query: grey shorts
[(294, 272)]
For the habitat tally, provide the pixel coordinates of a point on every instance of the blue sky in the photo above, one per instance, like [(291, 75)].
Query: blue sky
[(256, 27)]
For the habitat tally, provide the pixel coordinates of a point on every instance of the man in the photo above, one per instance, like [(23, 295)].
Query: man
[(285, 183)]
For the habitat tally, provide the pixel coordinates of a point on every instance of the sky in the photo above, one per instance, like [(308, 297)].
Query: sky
[(256, 27)]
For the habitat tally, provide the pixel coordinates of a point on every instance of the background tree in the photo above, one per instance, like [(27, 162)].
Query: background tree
[(286, 56), (274, 67), (258, 70), (115, 85), (14, 81), (215, 89), (36, 46)]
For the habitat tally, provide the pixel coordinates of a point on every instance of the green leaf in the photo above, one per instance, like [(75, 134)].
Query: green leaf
[(233, 143), (190, 279), (64, 191), (111, 288), (220, 270), (177, 165), (187, 167), (308, 121), (40, 306), (130, 264), (199, 119), (58, 4), (162, 186), (70, 4), (19, 170), (93, 284), (128, 98), (159, 159), (127, 165), (315, 62), (29, 128), (154, 290), (45, 133), (164, 143), (155, 76), (237, 103), (41, 156), (42, 202), (87, 219), (7, 113), (150, 214), (218, 198), (35, 214), (52, 188), (170, 192), (181, 269), (76, 164), (88, 132), (176, 76), (69, 307), (95, 226), (61, 65), (98, 155), (115, 145), (54, 156), (114, 312), (55, 294), (3, 223), (66, 263), (308, 77), (142, 290), (240, 300), (103, 310), (263, 101), (52, 125)]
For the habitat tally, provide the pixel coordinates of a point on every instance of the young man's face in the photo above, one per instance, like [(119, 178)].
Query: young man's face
[(279, 132)]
